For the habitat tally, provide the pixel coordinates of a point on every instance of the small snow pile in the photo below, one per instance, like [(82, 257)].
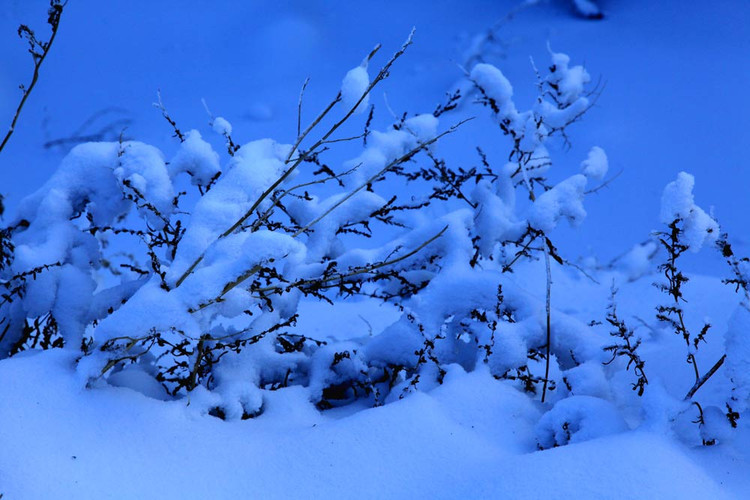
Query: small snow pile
[(197, 158), (99, 179), (577, 419), (249, 173), (595, 166), (497, 220), (384, 149), (568, 87), (589, 379), (221, 126), (565, 200), (715, 427), (510, 349), (353, 87), (677, 203), (570, 82), (497, 88)]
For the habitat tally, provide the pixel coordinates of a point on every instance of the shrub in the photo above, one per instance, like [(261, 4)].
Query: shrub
[(189, 272)]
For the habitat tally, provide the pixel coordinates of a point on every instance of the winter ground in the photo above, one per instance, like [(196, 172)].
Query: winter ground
[(675, 99)]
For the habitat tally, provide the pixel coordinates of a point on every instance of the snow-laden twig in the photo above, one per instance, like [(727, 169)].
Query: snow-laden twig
[(406, 157), (382, 74)]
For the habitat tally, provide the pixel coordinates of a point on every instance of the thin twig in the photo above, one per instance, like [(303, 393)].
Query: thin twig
[(397, 161), (299, 106), (277, 199), (382, 74), (160, 106), (581, 270), (341, 276), (605, 183), (357, 271), (549, 322), (699, 383), (55, 13)]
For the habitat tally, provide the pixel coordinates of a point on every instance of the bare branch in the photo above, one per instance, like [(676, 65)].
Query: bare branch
[(160, 106), (299, 106), (39, 51), (382, 74), (549, 321), (392, 164), (605, 183), (699, 383)]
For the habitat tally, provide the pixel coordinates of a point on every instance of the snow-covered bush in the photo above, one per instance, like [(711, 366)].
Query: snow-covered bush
[(200, 289), (184, 272)]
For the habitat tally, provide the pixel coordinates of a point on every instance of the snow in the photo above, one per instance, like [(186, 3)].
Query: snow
[(250, 172), (587, 8), (588, 379), (221, 126), (497, 221), (595, 166), (353, 88), (570, 82), (577, 419), (638, 261), (117, 440), (738, 361), (509, 348), (678, 203), (497, 88), (468, 426), (237, 82), (197, 158), (565, 200), (677, 200)]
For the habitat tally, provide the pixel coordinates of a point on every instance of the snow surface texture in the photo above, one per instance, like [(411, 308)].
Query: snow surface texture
[(448, 444)]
